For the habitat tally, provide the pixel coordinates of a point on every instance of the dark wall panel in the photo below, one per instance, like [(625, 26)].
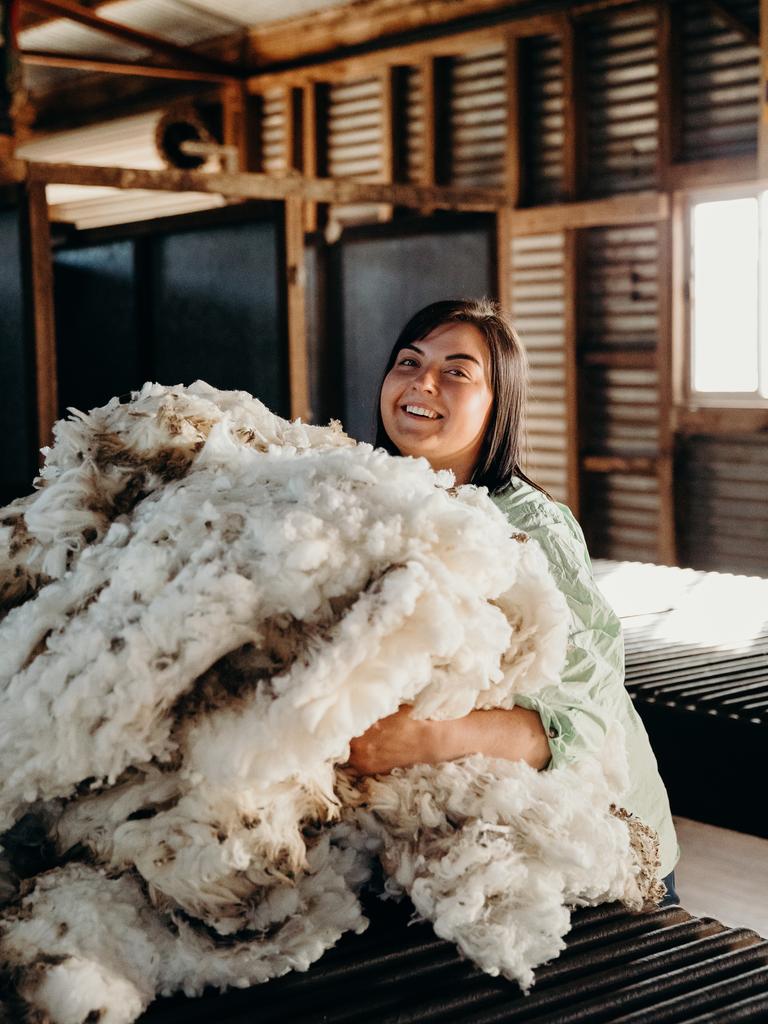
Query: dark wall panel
[(384, 281), (17, 465), (96, 327), (217, 310)]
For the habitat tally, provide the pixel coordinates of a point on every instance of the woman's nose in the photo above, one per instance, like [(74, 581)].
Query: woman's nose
[(426, 381)]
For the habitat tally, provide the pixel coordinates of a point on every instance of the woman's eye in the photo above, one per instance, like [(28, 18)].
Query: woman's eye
[(407, 362), (457, 371)]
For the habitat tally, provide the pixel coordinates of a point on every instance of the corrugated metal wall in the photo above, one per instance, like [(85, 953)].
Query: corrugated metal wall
[(621, 68), (414, 126), (620, 288), (724, 492), (538, 309), (274, 132), (541, 73), (478, 118), (720, 82), (355, 140), (621, 515), (620, 412)]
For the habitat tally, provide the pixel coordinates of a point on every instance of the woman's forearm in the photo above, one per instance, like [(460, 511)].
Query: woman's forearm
[(400, 741), (515, 734)]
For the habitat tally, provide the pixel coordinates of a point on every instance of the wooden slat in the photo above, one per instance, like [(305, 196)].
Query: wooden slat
[(43, 313), (240, 119), (298, 358)]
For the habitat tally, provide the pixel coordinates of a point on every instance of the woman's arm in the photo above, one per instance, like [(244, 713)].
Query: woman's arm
[(399, 740)]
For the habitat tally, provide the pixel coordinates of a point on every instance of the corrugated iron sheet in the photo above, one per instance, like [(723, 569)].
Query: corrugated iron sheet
[(622, 514), (660, 966), (621, 95), (414, 126), (355, 141), (720, 82), (541, 74), (478, 117), (621, 410), (538, 309), (620, 288), (273, 131), (724, 489)]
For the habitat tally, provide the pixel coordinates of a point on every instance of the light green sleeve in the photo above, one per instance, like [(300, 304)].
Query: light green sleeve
[(575, 713)]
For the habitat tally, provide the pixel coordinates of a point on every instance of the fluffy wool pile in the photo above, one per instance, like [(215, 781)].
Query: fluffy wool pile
[(202, 604)]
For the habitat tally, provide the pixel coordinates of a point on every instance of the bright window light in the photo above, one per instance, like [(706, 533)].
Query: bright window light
[(729, 296)]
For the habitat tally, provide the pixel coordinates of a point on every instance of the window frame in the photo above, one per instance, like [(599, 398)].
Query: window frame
[(691, 398)]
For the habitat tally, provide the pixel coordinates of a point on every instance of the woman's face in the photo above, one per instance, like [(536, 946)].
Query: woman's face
[(436, 400)]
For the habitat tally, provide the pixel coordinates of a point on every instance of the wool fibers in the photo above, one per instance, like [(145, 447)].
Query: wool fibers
[(201, 604)]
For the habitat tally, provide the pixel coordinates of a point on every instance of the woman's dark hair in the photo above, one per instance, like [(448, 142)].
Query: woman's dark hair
[(500, 454)]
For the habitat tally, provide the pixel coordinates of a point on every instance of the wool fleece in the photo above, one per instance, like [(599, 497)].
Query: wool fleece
[(202, 604)]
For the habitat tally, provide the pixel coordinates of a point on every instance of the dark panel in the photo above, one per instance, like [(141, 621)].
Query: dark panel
[(384, 281), (217, 310), (17, 465), (96, 324)]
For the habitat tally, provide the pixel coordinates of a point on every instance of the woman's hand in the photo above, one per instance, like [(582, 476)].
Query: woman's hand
[(399, 741)]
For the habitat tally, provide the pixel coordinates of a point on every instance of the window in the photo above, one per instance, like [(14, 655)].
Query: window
[(729, 299)]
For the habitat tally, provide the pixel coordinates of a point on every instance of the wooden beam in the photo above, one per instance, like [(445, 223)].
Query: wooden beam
[(43, 59), (83, 15), (636, 208), (720, 171), (644, 464), (298, 357), (504, 258), (733, 21), (263, 186), (41, 274), (720, 420), (397, 25), (309, 134)]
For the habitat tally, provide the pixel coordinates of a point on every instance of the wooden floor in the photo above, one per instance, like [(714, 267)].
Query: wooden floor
[(723, 874)]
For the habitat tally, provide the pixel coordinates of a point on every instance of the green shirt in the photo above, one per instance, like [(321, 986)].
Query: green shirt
[(591, 693)]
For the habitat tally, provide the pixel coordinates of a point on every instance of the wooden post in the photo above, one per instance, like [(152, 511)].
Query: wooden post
[(572, 103), (41, 280), (667, 547), (513, 158), (298, 358), (10, 75), (504, 256), (669, 91), (571, 278), (763, 143), (239, 124)]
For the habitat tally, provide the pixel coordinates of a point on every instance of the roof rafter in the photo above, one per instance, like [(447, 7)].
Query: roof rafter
[(182, 57)]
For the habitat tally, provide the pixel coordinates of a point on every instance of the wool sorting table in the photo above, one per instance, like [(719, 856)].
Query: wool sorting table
[(697, 669)]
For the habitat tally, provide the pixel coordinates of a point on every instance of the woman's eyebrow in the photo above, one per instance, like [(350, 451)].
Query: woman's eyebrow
[(456, 355)]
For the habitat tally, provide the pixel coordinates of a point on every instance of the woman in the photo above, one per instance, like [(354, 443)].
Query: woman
[(453, 392)]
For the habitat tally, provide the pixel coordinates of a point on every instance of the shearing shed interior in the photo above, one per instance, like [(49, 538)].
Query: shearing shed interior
[(259, 194)]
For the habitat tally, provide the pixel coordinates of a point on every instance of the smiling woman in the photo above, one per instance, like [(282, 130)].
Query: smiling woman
[(454, 393)]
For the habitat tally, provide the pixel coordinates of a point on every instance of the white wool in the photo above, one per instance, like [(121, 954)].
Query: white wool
[(204, 604)]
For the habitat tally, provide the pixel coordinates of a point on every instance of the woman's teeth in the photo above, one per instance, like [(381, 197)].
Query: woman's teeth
[(419, 410)]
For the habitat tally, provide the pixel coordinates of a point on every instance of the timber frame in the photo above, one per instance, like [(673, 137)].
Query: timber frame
[(341, 50)]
